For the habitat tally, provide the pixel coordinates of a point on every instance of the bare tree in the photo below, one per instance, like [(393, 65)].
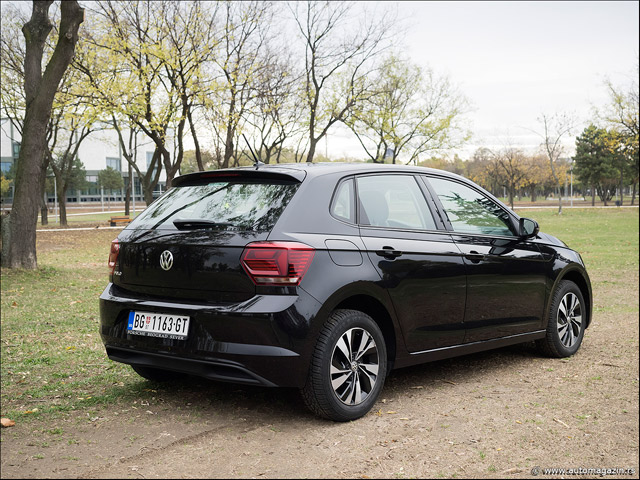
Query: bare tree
[(508, 166), (554, 128), (276, 114), (412, 111), (13, 100), (40, 89), (338, 61), (192, 36), (245, 36)]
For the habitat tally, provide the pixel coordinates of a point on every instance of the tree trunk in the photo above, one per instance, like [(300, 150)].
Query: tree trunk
[(62, 202), (147, 191), (44, 214), (228, 144), (559, 200), (312, 149), (633, 195), (44, 210), (621, 184), (533, 195), (127, 200), (593, 195), (39, 92), (196, 142)]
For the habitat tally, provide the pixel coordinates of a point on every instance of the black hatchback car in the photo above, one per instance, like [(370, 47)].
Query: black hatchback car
[(325, 277)]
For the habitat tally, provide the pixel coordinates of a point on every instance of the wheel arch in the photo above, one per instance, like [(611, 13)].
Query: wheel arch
[(379, 313), (576, 276)]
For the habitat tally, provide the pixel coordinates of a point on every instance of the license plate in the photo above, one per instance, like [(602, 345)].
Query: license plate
[(158, 325)]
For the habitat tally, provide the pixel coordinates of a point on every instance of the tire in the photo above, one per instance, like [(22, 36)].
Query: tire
[(567, 320), (156, 374), (346, 374)]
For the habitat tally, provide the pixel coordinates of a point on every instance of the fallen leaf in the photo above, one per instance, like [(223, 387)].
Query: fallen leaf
[(75, 301), (391, 412), (518, 421), (6, 423), (417, 387), (14, 304), (404, 418)]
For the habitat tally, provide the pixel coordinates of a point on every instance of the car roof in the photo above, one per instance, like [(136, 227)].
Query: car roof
[(323, 168)]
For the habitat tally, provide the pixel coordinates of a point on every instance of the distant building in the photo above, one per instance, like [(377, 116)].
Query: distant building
[(98, 151)]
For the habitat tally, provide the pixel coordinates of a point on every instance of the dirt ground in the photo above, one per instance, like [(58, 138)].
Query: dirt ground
[(494, 414)]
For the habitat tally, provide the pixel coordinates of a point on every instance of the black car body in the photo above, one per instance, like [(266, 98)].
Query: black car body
[(327, 276)]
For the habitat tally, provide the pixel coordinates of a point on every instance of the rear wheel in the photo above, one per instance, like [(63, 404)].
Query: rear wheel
[(156, 374), (567, 317), (348, 367)]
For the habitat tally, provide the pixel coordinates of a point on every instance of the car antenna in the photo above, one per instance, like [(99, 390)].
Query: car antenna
[(256, 162)]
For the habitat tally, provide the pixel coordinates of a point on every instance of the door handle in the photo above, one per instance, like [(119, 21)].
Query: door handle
[(389, 253), (474, 257)]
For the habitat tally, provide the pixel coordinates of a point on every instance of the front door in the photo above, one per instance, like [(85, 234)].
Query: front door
[(505, 273)]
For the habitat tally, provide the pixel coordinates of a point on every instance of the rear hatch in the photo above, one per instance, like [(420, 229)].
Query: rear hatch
[(188, 243)]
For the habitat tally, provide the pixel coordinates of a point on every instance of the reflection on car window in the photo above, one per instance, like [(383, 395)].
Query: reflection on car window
[(234, 205), (342, 206), (469, 211), (393, 201)]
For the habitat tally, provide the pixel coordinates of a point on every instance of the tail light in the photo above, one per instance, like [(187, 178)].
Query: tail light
[(277, 263), (113, 255)]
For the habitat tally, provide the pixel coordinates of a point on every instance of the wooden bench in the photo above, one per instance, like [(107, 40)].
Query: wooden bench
[(115, 221)]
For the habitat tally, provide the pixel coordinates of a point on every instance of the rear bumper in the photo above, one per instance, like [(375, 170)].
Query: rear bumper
[(262, 341)]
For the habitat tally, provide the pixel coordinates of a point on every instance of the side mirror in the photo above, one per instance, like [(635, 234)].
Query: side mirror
[(528, 228)]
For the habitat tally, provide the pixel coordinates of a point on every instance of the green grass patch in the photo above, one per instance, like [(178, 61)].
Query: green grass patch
[(54, 363), (607, 239)]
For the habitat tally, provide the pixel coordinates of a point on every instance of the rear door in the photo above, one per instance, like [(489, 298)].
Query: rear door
[(505, 274), (418, 262)]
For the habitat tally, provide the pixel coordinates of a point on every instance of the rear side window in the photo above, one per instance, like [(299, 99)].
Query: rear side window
[(394, 201), (220, 205), (469, 211), (342, 206)]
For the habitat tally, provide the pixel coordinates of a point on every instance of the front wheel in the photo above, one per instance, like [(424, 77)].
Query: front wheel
[(567, 321), (348, 367)]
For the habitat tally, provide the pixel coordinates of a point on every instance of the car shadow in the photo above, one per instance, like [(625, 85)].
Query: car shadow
[(205, 397)]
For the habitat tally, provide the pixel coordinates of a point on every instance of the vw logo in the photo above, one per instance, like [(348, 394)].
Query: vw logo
[(166, 260)]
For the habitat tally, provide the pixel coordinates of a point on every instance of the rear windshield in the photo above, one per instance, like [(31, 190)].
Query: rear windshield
[(221, 205)]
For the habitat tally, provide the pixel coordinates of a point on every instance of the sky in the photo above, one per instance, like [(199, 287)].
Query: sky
[(516, 60)]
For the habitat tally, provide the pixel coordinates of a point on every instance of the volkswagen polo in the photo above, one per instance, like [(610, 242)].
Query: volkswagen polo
[(325, 277)]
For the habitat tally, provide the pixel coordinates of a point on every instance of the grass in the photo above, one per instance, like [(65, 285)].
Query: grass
[(607, 240), (93, 217), (54, 363)]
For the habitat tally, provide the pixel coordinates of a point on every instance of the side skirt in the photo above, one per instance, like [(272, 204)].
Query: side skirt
[(467, 348)]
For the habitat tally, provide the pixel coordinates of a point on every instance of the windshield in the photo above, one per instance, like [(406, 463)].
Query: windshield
[(222, 205)]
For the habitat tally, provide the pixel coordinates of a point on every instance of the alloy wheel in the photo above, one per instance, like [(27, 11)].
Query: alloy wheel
[(354, 366), (569, 319)]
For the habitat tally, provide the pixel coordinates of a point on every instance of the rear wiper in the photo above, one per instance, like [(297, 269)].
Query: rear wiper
[(196, 223)]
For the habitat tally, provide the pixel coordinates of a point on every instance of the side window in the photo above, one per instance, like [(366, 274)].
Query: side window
[(343, 205), (469, 211), (393, 201)]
